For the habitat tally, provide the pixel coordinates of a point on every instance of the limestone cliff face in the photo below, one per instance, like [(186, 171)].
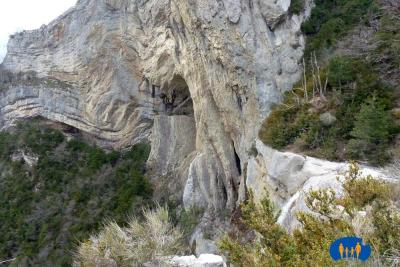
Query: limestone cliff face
[(195, 77), (287, 178)]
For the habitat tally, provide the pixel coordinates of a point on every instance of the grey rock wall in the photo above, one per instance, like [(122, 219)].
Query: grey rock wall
[(128, 62)]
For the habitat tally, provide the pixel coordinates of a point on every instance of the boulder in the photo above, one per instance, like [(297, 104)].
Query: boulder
[(204, 260), (327, 119)]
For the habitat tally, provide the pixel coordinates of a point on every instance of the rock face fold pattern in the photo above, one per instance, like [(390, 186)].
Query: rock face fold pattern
[(115, 68)]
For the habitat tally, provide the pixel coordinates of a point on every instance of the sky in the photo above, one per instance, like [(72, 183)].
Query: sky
[(19, 15)]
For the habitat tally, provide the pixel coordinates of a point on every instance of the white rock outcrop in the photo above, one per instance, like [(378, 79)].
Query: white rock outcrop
[(287, 177), (29, 158), (204, 260)]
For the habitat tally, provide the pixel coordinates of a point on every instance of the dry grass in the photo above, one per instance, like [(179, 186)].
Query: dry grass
[(140, 242)]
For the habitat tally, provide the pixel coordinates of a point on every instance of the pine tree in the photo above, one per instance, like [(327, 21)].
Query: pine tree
[(372, 123), (371, 133)]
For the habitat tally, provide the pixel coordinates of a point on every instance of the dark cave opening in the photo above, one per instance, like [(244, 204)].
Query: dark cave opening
[(177, 99), (153, 91), (237, 161), (224, 192)]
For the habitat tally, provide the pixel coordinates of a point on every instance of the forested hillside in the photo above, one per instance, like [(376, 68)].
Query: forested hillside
[(347, 105), (55, 191)]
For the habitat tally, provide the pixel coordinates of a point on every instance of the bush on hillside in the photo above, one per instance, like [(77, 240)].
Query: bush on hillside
[(296, 6), (297, 125), (371, 133), (331, 20), (341, 72)]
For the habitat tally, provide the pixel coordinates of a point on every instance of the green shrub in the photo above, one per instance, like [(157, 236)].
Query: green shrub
[(362, 191), (6, 145), (309, 244), (94, 156), (38, 139), (188, 220), (341, 72), (274, 247), (296, 6), (277, 129), (371, 132)]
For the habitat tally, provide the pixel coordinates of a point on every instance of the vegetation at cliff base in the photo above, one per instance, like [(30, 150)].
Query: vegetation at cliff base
[(350, 118), (47, 208), (367, 209), (142, 241)]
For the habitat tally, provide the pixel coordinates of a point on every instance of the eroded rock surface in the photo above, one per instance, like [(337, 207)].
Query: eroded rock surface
[(113, 68), (287, 177)]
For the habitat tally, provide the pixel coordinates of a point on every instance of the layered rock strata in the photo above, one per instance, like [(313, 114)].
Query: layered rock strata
[(127, 71)]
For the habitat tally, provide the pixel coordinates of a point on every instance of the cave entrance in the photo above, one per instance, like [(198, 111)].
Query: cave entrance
[(173, 139), (237, 161), (177, 99)]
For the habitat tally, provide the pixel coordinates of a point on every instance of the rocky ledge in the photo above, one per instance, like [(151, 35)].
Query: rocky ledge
[(287, 177)]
